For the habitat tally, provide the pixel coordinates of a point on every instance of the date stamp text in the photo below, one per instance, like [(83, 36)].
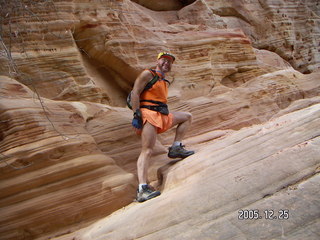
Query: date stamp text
[(268, 214)]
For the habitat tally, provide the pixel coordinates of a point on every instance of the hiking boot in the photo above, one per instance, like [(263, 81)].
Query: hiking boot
[(146, 193), (179, 152)]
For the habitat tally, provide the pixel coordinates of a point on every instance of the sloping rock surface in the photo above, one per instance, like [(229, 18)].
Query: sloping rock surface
[(248, 71), (260, 182)]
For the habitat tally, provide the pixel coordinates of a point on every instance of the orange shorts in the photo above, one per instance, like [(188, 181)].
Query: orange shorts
[(160, 121)]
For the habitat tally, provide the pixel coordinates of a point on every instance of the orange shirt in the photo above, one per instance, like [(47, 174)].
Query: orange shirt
[(158, 92)]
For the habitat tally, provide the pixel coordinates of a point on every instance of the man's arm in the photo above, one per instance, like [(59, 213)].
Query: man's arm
[(138, 87)]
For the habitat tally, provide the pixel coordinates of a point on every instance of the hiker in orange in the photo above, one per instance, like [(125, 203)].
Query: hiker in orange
[(151, 117)]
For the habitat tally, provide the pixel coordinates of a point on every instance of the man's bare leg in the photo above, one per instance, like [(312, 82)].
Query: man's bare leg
[(148, 140), (183, 120)]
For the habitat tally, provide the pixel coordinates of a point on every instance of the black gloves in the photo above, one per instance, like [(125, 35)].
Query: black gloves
[(137, 119)]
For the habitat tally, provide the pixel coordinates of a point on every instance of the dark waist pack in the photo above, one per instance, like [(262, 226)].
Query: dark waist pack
[(160, 107)]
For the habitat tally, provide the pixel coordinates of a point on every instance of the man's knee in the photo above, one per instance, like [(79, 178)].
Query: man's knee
[(181, 117), (186, 116), (189, 116), (147, 152)]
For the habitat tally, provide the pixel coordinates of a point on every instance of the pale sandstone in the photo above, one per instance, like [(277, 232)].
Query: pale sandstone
[(287, 28), (270, 166), (122, 37), (74, 157), (50, 168)]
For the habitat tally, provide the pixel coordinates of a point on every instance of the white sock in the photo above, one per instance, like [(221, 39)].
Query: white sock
[(176, 143), (140, 186)]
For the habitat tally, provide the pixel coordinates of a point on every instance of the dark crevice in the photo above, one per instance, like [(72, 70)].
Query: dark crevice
[(164, 5)]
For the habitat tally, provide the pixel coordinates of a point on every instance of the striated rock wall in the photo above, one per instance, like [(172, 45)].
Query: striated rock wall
[(254, 169), (248, 71), (53, 174), (288, 28)]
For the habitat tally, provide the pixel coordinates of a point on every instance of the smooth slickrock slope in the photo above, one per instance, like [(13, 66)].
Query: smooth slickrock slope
[(249, 73), (274, 166)]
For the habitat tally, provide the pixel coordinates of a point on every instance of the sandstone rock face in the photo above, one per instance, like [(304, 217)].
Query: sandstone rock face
[(256, 168), (52, 172), (249, 73)]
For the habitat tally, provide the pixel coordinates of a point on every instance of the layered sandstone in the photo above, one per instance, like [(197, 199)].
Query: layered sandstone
[(52, 172), (248, 71), (273, 167)]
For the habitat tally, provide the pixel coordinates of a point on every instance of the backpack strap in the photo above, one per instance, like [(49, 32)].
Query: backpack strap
[(152, 81)]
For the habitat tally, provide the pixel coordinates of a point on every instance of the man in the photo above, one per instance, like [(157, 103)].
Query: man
[(151, 117)]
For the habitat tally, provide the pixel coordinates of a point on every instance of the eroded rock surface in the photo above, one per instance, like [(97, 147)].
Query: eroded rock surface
[(272, 167), (53, 174), (248, 71)]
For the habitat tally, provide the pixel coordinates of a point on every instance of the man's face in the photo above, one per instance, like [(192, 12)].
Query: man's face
[(165, 64)]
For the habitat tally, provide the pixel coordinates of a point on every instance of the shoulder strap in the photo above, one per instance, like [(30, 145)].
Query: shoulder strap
[(155, 74), (152, 81)]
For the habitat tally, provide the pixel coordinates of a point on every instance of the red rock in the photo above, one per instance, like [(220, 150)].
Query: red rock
[(68, 150)]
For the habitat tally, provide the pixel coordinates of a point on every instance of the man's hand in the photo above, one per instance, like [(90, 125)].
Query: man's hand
[(137, 119)]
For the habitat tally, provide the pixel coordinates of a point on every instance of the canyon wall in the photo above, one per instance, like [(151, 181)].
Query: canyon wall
[(247, 70)]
